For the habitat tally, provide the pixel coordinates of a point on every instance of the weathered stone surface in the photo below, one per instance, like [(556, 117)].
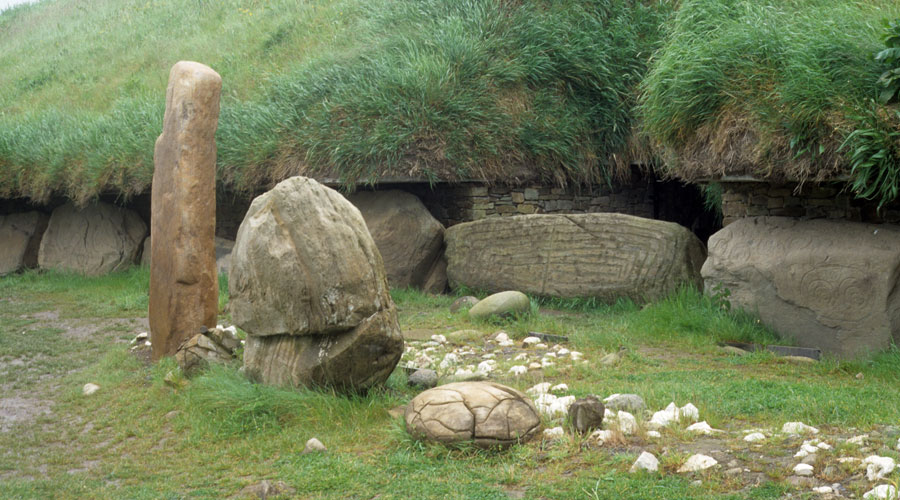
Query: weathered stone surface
[(96, 240), (308, 286), (585, 255), (203, 349), (409, 238), (184, 290), (424, 378), (356, 359), (484, 413), (828, 284), (500, 304), (631, 403), (586, 414), (466, 302), (145, 252), (20, 240)]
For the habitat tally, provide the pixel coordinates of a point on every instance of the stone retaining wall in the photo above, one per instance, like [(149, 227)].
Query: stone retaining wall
[(811, 201), (471, 202)]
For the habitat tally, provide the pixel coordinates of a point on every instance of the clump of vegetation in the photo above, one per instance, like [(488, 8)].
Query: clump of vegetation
[(768, 88), (352, 90)]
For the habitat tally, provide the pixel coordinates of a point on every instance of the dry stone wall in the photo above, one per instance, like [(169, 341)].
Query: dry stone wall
[(810, 201)]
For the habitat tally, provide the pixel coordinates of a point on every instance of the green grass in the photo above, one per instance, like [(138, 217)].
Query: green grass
[(357, 90), (768, 87), (139, 438)]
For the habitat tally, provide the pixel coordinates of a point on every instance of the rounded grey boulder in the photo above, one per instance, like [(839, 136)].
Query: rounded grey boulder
[(501, 304)]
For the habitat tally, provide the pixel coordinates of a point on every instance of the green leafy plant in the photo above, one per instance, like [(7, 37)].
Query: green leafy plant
[(889, 82), (874, 148)]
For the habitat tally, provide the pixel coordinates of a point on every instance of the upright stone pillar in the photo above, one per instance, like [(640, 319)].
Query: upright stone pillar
[(184, 288)]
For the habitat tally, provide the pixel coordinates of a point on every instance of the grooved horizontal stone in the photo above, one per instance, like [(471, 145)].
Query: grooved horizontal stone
[(581, 255), (827, 284)]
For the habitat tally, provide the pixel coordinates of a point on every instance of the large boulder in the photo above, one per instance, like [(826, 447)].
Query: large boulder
[(20, 239), (408, 237), (308, 286), (825, 283), (95, 240), (484, 413), (585, 255)]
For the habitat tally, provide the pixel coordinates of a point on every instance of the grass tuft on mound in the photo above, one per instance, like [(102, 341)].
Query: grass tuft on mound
[(436, 90), (768, 88)]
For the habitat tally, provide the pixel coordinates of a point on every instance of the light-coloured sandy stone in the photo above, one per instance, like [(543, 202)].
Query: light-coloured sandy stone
[(308, 286), (501, 304), (409, 238), (584, 255), (20, 240), (484, 413), (825, 283), (98, 239), (184, 290)]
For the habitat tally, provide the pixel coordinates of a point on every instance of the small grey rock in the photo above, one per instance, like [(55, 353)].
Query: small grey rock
[(586, 414), (265, 489), (632, 403), (313, 446), (423, 378), (465, 302)]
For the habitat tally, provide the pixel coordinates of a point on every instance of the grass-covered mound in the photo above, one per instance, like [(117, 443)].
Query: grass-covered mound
[(431, 89), (774, 88)]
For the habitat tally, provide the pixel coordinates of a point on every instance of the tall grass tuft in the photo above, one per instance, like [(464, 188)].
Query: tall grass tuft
[(764, 87)]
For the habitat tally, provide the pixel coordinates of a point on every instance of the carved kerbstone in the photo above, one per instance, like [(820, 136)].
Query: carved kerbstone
[(184, 290), (827, 284)]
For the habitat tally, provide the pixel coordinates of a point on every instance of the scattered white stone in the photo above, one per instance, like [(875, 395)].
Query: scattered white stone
[(898, 443), (611, 396), (609, 417), (664, 418), (540, 345), (486, 366), (423, 361), (689, 412), (232, 330), (795, 428), (560, 407), (809, 449), (803, 470), (858, 440), (801, 454), (823, 490), (506, 343), (556, 347), (754, 436), (449, 360), (463, 372), (542, 388), (550, 355), (530, 341), (646, 461), (520, 357), (431, 343), (700, 428), (559, 388), (878, 467), (601, 436), (518, 370), (141, 337), (501, 337), (627, 423), (534, 366), (823, 446), (883, 491), (697, 463), (563, 352), (575, 355), (312, 446), (845, 460), (440, 339), (545, 362), (89, 389), (554, 433), (653, 434), (489, 355)]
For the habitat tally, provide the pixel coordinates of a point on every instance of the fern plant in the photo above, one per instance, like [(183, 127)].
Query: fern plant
[(890, 56)]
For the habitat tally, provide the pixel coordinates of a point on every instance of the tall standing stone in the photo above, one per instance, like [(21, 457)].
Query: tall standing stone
[(184, 289)]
